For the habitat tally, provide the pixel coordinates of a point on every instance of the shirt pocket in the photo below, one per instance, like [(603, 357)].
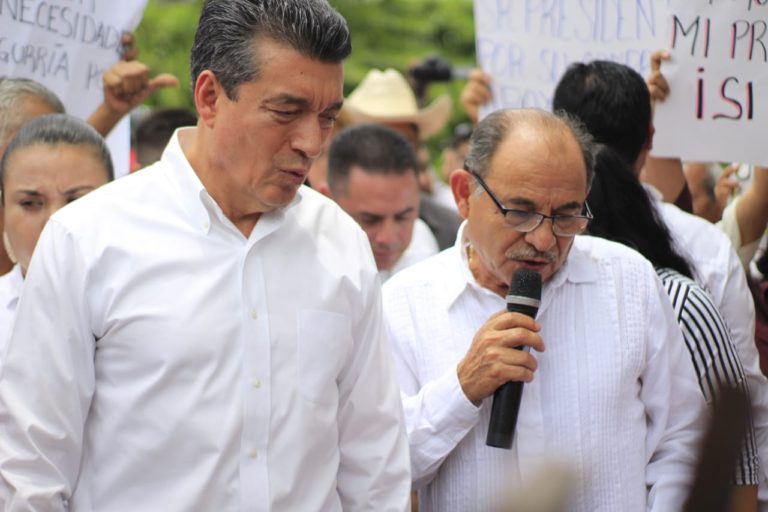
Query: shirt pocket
[(324, 341)]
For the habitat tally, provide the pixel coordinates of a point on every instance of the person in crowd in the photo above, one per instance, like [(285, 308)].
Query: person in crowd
[(21, 99), (385, 97), (126, 84), (153, 131), (614, 103), (612, 394), (758, 285), (373, 176), (623, 212), (53, 160), (207, 333), (456, 148), (742, 217)]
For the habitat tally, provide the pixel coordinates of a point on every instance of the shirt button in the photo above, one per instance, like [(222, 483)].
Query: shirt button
[(256, 383), (206, 225), (253, 453), (254, 314)]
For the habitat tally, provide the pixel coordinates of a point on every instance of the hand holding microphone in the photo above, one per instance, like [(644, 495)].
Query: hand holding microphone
[(494, 357), (523, 297)]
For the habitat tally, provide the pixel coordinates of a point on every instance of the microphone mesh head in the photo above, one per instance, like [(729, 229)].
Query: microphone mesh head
[(526, 283)]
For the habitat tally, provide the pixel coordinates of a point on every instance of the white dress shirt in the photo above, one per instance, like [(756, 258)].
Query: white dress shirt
[(423, 245), (10, 290), (161, 361), (719, 270), (614, 395)]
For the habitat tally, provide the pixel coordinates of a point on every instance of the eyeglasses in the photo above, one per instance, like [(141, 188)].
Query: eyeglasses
[(525, 221)]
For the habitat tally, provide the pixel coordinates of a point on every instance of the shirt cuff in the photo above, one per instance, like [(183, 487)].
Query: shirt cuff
[(452, 412)]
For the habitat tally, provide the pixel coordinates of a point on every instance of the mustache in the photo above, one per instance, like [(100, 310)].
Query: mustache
[(530, 253)]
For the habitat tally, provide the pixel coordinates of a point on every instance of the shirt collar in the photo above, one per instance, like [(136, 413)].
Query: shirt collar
[(579, 267), (195, 198)]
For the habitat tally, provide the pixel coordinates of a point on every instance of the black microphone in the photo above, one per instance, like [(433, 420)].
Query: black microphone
[(523, 297)]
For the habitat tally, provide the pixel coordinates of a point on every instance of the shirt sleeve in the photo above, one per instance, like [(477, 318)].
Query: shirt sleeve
[(715, 360), (438, 415), (47, 380), (675, 407), (738, 309), (374, 472)]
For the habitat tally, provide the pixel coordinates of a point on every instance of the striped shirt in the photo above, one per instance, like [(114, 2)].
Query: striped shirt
[(713, 355)]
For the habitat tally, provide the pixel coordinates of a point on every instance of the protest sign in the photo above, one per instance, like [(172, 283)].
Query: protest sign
[(718, 75), (526, 45), (66, 45)]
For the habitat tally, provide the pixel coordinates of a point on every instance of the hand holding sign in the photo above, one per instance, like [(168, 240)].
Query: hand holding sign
[(127, 84)]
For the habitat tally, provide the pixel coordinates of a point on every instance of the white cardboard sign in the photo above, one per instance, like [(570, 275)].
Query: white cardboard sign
[(67, 45), (718, 104), (526, 45)]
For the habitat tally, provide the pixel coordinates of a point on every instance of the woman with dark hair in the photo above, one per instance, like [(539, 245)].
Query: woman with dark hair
[(53, 160), (624, 213)]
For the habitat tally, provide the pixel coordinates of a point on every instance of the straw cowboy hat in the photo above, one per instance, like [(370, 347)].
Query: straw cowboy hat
[(386, 97)]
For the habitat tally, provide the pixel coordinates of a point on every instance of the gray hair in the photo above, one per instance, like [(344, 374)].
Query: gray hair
[(496, 127), (55, 130), (12, 112), (226, 33)]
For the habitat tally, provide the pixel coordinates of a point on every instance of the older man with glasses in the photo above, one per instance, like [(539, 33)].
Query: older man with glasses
[(612, 397)]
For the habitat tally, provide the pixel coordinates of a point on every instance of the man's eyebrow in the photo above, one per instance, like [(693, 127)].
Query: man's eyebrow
[(287, 99), (527, 203), (520, 201)]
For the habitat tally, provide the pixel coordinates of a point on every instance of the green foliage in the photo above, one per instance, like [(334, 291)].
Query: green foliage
[(385, 33), (164, 39)]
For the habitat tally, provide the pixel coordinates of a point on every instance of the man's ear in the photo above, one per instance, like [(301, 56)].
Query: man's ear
[(461, 186), (207, 94)]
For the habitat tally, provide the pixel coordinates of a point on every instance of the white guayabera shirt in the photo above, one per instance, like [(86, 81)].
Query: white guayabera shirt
[(161, 361), (614, 396)]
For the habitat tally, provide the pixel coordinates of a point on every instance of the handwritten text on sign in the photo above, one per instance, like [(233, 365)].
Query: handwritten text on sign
[(67, 45), (526, 45), (719, 82)]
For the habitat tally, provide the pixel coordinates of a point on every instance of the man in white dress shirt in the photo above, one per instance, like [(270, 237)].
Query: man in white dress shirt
[(613, 395), (614, 103), (198, 335), (372, 175)]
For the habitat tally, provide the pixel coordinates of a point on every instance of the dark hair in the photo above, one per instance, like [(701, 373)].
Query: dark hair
[(762, 264), (623, 212), (154, 130), (227, 30), (54, 130), (613, 102), (374, 148), (498, 126)]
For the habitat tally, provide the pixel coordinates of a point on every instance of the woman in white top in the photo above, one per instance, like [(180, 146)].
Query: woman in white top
[(623, 213), (53, 160)]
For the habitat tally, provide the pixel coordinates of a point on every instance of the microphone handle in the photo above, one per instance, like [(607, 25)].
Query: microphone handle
[(506, 405), (506, 401)]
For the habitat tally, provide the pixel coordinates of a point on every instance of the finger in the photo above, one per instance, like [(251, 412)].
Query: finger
[(511, 365), (519, 338), (508, 320), (657, 57), (163, 80), (135, 77), (128, 51)]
